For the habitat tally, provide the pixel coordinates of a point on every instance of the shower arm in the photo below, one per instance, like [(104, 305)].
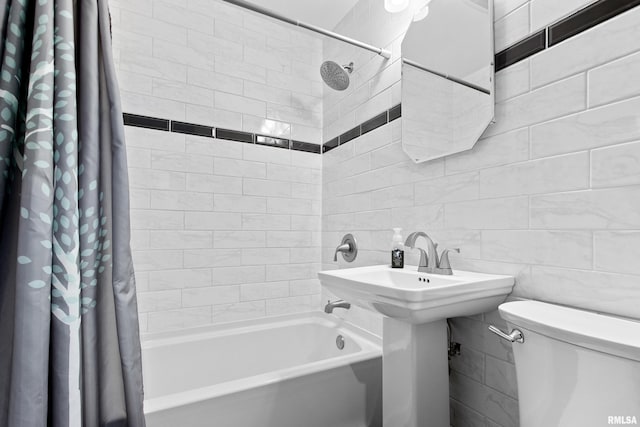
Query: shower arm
[(246, 5)]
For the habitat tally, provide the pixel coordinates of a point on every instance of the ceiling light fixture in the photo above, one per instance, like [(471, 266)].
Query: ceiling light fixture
[(395, 6)]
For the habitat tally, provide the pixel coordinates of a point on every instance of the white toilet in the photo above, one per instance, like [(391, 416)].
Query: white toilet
[(574, 368)]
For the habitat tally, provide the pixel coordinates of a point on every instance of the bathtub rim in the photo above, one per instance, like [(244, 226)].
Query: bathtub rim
[(370, 348)]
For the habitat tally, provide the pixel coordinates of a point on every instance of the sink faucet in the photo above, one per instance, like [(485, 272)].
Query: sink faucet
[(429, 262), (336, 304)]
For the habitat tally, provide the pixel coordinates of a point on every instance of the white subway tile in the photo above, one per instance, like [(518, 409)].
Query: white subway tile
[(258, 256), (179, 279), (572, 249), (512, 81), (616, 166), (295, 304), (512, 213), (181, 200), (240, 69), (153, 139), (179, 319), (209, 296), (252, 221), (288, 239), (210, 46), (556, 100), (606, 125), (591, 290), (238, 311), (615, 208), (503, 7), (612, 39), (214, 184), (242, 168), (613, 81), (261, 153), (234, 203), (179, 15), (261, 291), (211, 80), (178, 91), (212, 221), (393, 197), (247, 37), (617, 251), (553, 174), (511, 147), (280, 272), (147, 26), (448, 188), (152, 106), (511, 28), (213, 117), (238, 275), (156, 220), (181, 162), (148, 260), (180, 239), (158, 301), (203, 258), (306, 255), (304, 287), (156, 179), (239, 239)]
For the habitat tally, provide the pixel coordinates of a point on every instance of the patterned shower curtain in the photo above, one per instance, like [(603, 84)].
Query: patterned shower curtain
[(69, 340)]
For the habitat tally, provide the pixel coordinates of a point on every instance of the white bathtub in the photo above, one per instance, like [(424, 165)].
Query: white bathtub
[(284, 372)]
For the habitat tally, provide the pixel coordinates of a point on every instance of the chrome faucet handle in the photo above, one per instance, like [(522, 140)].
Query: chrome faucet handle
[(348, 247), (444, 258)]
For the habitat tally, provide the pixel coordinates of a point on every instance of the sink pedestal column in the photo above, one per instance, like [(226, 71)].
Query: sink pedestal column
[(415, 374)]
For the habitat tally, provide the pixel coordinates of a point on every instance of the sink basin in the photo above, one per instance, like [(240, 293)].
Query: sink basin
[(413, 297), (415, 372)]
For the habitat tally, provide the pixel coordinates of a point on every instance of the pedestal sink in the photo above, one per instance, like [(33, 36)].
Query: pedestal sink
[(415, 308)]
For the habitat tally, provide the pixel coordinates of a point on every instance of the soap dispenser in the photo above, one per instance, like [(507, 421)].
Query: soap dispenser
[(397, 249)]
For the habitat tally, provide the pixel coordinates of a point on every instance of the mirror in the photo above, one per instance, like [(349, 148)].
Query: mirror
[(447, 78)]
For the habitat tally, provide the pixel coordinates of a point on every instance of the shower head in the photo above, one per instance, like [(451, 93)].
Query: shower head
[(336, 76)]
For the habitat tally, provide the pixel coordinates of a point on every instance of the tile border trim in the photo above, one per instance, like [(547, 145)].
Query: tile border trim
[(175, 126), (583, 19), (381, 119)]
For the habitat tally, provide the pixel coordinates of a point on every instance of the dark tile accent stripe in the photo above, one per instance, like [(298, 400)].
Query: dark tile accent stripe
[(191, 129), (376, 122), (582, 20), (349, 135), (330, 145), (367, 126), (145, 122), (272, 142), (234, 135), (588, 17), (306, 146), (521, 50), (395, 112), (228, 134)]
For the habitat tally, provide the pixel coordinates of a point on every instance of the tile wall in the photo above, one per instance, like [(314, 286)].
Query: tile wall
[(221, 230), (550, 194)]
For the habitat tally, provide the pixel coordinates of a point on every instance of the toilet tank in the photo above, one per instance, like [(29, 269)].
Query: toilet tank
[(575, 368)]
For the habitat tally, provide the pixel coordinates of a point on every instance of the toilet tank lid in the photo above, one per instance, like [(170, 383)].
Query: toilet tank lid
[(600, 332)]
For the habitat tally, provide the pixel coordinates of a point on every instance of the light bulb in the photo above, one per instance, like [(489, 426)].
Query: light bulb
[(395, 6)]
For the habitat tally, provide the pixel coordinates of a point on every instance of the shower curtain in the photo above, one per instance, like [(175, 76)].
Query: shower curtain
[(69, 339)]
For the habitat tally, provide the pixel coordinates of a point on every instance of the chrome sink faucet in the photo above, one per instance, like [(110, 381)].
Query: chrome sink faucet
[(429, 262)]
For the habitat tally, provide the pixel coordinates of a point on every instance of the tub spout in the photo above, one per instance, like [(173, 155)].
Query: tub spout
[(336, 304)]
